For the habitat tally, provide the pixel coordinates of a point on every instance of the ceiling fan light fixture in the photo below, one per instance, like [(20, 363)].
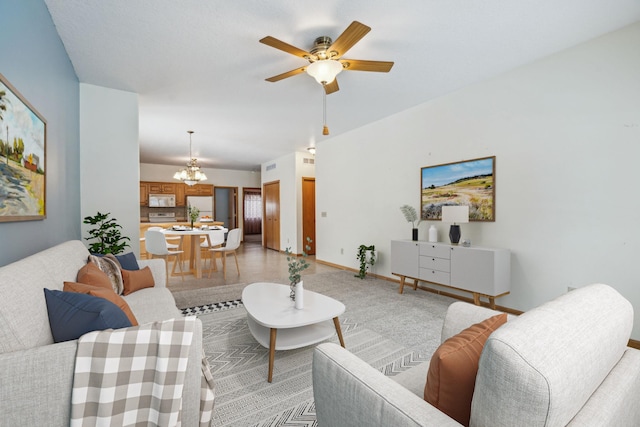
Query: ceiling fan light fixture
[(324, 71)]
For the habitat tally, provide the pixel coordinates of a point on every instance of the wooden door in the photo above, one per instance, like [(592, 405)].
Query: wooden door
[(309, 214), (271, 208)]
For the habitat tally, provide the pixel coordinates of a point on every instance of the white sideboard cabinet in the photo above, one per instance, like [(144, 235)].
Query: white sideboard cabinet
[(485, 272)]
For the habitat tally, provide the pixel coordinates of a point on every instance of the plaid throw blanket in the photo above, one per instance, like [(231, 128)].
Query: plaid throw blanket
[(135, 376)]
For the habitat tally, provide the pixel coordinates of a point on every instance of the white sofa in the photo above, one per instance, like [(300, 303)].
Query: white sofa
[(563, 363), (36, 375)]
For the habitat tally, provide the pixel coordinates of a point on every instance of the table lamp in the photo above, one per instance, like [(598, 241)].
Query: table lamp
[(455, 214)]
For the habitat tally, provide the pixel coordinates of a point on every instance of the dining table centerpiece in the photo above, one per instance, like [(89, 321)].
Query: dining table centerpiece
[(193, 213)]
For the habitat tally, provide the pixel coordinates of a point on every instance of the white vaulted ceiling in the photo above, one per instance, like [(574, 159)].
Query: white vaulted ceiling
[(197, 64)]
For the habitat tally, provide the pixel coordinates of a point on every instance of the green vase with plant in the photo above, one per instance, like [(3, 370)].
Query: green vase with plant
[(107, 234), (193, 213)]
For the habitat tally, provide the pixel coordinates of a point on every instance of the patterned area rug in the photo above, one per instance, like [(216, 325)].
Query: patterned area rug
[(389, 331)]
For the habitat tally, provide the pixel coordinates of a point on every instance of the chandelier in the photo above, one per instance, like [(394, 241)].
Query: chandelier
[(191, 174)]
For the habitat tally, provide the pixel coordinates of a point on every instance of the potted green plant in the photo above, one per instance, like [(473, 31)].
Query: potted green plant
[(364, 262), (193, 213), (296, 266), (411, 216), (107, 234)]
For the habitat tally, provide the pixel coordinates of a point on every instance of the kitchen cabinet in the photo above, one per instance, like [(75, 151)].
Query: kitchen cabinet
[(485, 272), (162, 188), (144, 194), (181, 199), (199, 190)]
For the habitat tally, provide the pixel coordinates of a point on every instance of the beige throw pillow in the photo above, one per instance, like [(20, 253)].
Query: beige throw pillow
[(112, 270)]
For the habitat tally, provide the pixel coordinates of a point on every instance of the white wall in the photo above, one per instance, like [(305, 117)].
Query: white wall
[(109, 158), (216, 177), (566, 135)]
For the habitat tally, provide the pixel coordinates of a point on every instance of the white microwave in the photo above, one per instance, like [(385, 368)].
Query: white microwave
[(162, 200)]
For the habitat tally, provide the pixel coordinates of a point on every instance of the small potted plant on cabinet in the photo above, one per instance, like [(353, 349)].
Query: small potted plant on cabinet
[(411, 216)]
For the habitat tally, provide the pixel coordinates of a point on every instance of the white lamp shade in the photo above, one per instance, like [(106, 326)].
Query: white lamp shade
[(455, 214), (324, 71)]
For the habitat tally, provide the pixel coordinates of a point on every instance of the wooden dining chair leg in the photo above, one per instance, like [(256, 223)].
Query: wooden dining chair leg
[(180, 266), (173, 270), (236, 257), (224, 265), (166, 268)]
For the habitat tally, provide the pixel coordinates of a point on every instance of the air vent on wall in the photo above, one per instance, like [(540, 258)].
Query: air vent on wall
[(271, 167), (309, 161)]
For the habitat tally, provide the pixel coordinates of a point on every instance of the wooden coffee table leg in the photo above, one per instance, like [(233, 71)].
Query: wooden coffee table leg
[(272, 352), (336, 322)]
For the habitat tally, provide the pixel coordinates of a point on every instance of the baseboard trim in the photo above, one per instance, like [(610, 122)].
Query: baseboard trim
[(632, 343)]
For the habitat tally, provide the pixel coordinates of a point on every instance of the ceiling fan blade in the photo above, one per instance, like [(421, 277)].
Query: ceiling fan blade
[(348, 38), (361, 65), (287, 74), (331, 87), (285, 47)]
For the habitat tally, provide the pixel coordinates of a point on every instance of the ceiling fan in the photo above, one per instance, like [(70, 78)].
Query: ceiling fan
[(325, 59)]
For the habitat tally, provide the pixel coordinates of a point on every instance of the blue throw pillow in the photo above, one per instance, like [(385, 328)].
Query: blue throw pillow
[(72, 314), (128, 261)]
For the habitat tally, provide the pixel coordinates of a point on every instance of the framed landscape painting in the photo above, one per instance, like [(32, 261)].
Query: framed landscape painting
[(23, 133), (470, 182)]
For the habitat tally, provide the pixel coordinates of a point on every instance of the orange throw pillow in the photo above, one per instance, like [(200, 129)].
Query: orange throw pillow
[(134, 280), (101, 292), (452, 371), (91, 274)]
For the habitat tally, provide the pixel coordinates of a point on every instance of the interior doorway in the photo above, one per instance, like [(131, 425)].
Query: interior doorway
[(271, 214), (225, 202), (252, 213), (309, 213)]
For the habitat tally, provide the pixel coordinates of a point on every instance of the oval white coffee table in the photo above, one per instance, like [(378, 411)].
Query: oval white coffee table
[(271, 312)]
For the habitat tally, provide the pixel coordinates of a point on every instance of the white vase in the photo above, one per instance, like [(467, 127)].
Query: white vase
[(299, 292), (433, 234)]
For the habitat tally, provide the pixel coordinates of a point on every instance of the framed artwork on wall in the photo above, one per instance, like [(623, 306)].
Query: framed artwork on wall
[(470, 182), (23, 134)]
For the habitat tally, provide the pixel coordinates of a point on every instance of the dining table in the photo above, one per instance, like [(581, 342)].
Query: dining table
[(214, 234)]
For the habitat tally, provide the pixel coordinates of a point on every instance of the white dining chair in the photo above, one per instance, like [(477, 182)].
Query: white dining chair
[(168, 238), (213, 239), (232, 243), (157, 247)]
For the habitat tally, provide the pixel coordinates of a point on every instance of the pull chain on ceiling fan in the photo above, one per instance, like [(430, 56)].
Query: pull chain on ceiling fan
[(326, 62), (325, 129)]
